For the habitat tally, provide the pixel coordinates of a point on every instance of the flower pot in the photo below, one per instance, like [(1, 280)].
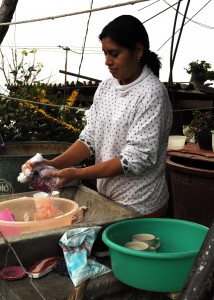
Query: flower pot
[(212, 140), (198, 78), (205, 141)]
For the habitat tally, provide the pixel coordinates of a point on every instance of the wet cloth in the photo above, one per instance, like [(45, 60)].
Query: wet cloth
[(131, 122), (36, 177)]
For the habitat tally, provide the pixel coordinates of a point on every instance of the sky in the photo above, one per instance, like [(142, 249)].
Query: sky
[(46, 36)]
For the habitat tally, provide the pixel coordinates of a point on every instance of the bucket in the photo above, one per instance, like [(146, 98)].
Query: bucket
[(14, 155)]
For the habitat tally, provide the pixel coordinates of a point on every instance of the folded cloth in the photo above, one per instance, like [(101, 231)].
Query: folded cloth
[(5, 215)]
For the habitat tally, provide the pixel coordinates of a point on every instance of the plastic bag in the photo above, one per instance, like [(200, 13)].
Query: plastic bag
[(41, 183), (26, 175), (36, 177), (77, 244)]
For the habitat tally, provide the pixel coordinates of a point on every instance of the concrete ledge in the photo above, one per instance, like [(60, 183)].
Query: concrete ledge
[(56, 287)]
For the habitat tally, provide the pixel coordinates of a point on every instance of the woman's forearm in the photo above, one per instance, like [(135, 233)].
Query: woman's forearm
[(105, 169), (75, 154)]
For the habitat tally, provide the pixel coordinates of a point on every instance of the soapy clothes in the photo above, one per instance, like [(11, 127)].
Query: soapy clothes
[(131, 122), (36, 177)]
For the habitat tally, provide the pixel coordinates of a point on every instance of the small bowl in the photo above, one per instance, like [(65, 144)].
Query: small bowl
[(176, 142)]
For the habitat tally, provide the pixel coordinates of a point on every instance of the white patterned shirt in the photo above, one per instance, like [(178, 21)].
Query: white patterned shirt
[(131, 122)]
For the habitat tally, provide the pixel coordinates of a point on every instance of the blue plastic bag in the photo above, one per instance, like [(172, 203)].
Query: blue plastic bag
[(77, 245)]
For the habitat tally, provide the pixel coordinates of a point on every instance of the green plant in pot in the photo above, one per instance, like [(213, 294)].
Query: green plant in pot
[(200, 128), (200, 71)]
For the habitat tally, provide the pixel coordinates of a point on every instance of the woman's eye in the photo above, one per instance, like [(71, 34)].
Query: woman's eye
[(114, 53)]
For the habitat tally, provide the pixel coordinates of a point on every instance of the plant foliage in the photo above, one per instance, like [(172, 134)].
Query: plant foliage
[(201, 124), (28, 113), (202, 68)]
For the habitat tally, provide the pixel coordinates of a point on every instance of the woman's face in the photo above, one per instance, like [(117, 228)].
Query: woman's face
[(123, 64)]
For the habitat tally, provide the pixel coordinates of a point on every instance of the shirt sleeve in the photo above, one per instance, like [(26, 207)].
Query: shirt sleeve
[(146, 136), (88, 133)]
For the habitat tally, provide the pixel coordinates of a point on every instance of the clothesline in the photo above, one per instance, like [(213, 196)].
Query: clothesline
[(73, 13), (84, 109), (46, 104)]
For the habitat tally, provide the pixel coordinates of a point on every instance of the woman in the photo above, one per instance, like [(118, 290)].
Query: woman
[(127, 125)]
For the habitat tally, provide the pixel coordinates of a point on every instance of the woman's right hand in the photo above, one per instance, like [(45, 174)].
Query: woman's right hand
[(32, 165)]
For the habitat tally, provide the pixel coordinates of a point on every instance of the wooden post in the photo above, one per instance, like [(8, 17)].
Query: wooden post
[(66, 63), (78, 292)]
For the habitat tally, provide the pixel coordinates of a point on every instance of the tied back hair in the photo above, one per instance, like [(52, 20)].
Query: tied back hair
[(127, 31)]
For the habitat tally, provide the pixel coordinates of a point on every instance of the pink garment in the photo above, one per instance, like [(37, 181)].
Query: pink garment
[(5, 215)]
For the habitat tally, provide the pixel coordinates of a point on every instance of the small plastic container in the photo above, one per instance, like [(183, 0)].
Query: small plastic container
[(176, 142), (26, 206), (43, 194), (212, 139)]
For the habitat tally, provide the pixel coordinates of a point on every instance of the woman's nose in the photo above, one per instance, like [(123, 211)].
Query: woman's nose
[(108, 60)]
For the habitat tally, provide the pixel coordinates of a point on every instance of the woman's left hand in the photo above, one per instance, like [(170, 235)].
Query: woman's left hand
[(64, 176), (104, 169)]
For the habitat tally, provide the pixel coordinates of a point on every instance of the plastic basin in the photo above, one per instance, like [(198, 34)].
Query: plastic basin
[(163, 271), (18, 207)]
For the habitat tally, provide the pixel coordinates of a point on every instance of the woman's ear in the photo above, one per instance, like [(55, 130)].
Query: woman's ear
[(139, 50)]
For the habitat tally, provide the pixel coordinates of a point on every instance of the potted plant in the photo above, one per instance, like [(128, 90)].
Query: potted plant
[(200, 71), (200, 128)]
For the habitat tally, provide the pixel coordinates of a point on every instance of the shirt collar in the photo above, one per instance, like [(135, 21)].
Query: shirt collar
[(146, 71)]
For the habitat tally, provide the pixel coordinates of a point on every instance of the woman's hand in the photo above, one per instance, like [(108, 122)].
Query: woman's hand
[(64, 176), (32, 165), (106, 169)]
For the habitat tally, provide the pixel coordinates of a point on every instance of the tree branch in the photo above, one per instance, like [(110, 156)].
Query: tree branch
[(7, 10)]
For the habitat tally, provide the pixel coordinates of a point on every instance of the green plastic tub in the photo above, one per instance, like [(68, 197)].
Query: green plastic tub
[(163, 271)]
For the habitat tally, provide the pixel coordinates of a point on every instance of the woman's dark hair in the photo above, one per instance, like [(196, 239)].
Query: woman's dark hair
[(127, 31)]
